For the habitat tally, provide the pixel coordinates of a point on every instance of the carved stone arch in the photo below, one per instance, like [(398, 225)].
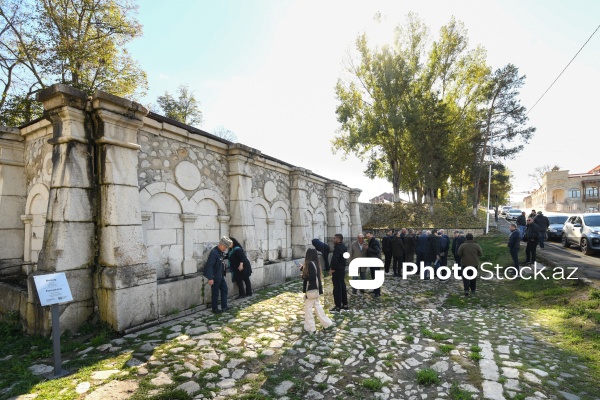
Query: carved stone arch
[(209, 194), (163, 187), (282, 205), (262, 202), (35, 221), (40, 189)]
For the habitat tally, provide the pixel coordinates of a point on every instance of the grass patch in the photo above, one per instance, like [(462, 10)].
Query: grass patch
[(475, 349), (372, 384), (427, 376), (456, 393), (446, 348), (409, 339), (371, 351), (435, 336), (475, 356)]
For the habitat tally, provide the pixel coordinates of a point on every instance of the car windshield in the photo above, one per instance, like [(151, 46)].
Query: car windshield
[(558, 219), (592, 220), (515, 211)]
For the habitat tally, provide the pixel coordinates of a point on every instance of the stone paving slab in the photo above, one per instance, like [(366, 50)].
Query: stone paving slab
[(375, 350)]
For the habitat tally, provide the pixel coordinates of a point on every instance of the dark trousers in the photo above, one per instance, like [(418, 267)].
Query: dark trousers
[(514, 253), (457, 259), (397, 264), (530, 251), (377, 291), (409, 257), (363, 275), (240, 283), (219, 286), (388, 261), (541, 238), (444, 260), (420, 257), (468, 284), (340, 294)]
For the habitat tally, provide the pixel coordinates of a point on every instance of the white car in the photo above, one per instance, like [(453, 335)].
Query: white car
[(505, 210), (513, 214)]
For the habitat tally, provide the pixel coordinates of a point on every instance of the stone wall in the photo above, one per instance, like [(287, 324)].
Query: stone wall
[(128, 204)]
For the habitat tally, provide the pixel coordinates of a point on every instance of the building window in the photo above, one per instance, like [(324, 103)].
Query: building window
[(591, 191), (574, 193)]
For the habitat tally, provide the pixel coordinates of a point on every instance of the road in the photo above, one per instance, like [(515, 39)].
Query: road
[(588, 266)]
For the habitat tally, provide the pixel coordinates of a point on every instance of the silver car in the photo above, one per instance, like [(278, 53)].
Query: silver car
[(582, 230), (513, 214)]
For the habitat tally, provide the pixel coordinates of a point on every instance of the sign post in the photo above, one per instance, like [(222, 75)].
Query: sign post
[(54, 289)]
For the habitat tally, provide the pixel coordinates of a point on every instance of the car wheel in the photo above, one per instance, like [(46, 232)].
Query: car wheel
[(585, 247), (565, 241)]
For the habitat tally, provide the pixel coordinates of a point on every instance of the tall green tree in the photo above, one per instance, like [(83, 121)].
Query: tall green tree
[(80, 43), (503, 122), (185, 108)]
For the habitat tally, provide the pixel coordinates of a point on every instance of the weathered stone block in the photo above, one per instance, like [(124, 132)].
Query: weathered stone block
[(122, 245), (120, 166), (12, 180), (179, 295), (12, 243), (70, 204), (167, 221), (274, 273), (71, 166), (190, 267), (116, 278), (11, 209), (126, 308), (120, 205), (68, 245), (74, 314), (161, 237)]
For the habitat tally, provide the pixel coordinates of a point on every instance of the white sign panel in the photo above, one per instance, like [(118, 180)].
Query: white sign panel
[(53, 288)]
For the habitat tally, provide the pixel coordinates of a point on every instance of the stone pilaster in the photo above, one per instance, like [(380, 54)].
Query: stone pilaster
[(190, 265), (356, 227), (241, 225), (271, 248), (288, 238), (68, 244), (333, 217), (12, 196), (125, 283), (299, 200)]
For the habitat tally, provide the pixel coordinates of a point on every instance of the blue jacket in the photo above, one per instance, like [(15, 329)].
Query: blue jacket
[(215, 266), (422, 243), (514, 240)]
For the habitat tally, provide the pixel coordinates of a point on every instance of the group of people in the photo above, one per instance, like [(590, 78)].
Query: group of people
[(530, 229), (430, 247), (228, 255)]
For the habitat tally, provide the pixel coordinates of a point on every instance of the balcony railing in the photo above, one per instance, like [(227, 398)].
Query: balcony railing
[(590, 196)]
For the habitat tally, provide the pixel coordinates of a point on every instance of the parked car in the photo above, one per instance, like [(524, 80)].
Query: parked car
[(505, 210), (582, 230), (555, 228), (513, 214)]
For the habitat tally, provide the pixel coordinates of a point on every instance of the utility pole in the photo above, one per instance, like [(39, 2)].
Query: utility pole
[(487, 221)]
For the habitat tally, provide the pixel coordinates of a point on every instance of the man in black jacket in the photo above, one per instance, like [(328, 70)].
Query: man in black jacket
[(532, 234), (322, 248), (543, 222), (459, 238), (374, 250), (444, 247), (397, 253), (386, 247), (514, 244), (432, 251), (338, 273)]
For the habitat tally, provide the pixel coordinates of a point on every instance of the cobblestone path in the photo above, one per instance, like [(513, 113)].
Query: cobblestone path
[(417, 331)]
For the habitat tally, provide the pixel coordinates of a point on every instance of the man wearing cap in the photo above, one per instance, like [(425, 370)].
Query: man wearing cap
[(214, 271), (543, 222)]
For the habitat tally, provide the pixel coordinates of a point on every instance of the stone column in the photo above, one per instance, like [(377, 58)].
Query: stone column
[(224, 225), (241, 225), (333, 223), (288, 238), (356, 227), (125, 283), (12, 197), (299, 203), (68, 244), (190, 265), (271, 250)]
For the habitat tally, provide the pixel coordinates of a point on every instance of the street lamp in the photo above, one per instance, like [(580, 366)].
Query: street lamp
[(487, 221)]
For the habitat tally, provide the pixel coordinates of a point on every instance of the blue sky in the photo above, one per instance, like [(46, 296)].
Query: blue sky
[(267, 69)]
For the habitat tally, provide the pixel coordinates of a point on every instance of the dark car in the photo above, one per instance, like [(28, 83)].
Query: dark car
[(555, 228)]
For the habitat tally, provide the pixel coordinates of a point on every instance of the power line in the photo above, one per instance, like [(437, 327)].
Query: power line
[(586, 42)]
